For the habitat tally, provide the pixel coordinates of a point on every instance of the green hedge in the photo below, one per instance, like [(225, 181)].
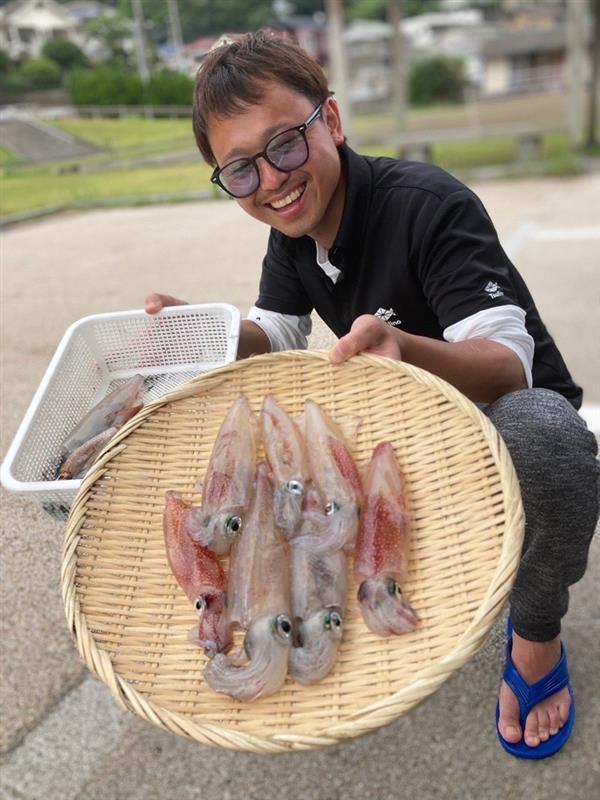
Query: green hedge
[(108, 86), (39, 73), (439, 79)]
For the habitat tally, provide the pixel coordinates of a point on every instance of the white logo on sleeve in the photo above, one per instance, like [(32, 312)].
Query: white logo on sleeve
[(386, 314), (493, 290)]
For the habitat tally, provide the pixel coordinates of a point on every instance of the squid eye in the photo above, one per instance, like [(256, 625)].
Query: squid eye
[(332, 507), (295, 487), (201, 605), (283, 627), (394, 588), (333, 621), (233, 525)]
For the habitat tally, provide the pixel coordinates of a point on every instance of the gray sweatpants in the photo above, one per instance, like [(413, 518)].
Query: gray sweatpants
[(554, 456)]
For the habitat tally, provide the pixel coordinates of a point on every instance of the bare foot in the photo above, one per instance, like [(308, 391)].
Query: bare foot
[(533, 661)]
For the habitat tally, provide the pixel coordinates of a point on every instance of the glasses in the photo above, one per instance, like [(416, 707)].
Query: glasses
[(286, 152)]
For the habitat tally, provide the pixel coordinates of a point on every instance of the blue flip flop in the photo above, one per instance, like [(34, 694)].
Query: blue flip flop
[(529, 696)]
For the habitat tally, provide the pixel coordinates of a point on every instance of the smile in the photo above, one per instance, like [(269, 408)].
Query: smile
[(289, 199)]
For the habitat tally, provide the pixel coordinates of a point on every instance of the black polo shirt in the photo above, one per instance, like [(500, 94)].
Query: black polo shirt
[(413, 241)]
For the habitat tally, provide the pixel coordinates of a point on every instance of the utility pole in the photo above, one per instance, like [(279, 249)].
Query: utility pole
[(175, 27), (140, 40), (338, 78), (576, 14), (592, 137), (398, 65)]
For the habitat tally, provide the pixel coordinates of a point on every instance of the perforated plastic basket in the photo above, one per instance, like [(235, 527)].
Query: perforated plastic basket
[(95, 355)]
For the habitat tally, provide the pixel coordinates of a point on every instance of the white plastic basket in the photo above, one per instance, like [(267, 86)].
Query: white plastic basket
[(95, 355)]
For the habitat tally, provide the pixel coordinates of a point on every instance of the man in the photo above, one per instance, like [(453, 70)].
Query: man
[(402, 260)]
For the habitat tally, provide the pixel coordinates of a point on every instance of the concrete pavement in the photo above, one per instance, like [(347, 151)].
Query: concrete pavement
[(62, 735)]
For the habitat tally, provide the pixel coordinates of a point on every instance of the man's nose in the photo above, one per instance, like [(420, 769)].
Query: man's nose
[(270, 178)]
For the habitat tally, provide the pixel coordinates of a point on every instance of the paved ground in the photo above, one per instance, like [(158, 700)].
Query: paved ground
[(62, 736), (33, 140)]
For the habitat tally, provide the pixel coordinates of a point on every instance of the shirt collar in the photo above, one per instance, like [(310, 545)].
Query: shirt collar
[(350, 236)]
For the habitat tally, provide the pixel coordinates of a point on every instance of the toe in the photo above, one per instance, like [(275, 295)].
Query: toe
[(508, 721), (510, 732), (563, 711), (543, 726), (532, 733), (554, 720)]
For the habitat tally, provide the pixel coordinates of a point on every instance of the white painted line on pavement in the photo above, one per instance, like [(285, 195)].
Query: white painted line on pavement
[(591, 414), (517, 238), (530, 231), (559, 234)]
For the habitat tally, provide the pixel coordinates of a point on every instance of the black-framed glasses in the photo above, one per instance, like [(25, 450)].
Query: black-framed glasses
[(286, 151)]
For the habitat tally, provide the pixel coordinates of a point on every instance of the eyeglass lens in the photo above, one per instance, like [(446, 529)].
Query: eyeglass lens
[(286, 151)]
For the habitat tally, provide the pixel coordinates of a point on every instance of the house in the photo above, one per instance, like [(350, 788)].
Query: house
[(369, 59), (26, 26), (523, 49), (309, 32), (369, 48), (530, 59), (87, 10), (438, 31)]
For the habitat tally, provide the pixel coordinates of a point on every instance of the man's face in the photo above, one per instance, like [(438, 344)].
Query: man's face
[(309, 200)]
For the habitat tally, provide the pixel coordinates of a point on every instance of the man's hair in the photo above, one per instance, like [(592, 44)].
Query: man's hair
[(233, 76)]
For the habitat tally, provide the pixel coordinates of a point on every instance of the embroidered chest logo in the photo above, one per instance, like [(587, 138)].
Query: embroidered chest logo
[(493, 290), (387, 314)]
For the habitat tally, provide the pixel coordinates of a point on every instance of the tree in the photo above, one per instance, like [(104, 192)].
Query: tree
[(5, 62), (40, 73), (592, 133), (168, 88), (112, 32), (377, 9), (439, 79), (204, 17), (105, 86), (64, 53)]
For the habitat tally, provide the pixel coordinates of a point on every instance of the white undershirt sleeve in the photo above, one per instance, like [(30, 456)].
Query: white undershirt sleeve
[(284, 331), (504, 324)]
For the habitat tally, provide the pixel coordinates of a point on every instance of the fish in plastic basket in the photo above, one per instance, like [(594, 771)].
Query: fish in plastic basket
[(96, 355)]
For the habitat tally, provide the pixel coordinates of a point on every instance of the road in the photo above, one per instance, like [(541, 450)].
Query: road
[(63, 737)]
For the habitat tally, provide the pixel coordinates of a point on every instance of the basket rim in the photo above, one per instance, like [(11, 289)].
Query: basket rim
[(381, 712), (67, 487)]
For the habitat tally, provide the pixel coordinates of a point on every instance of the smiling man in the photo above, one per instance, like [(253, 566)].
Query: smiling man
[(401, 259)]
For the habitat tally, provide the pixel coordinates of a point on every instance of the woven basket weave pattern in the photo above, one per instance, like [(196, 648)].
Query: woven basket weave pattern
[(131, 619)]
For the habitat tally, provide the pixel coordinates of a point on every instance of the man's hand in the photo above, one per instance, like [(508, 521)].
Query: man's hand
[(156, 302), (482, 369), (368, 334)]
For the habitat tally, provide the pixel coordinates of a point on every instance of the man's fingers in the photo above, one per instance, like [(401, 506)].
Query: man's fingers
[(156, 302), (367, 335), (153, 304), (364, 334), (343, 349)]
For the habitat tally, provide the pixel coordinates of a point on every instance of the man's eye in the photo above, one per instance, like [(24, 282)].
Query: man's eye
[(283, 144), (239, 169)]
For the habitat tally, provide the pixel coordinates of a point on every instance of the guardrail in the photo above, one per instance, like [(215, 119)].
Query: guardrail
[(151, 112), (418, 145)]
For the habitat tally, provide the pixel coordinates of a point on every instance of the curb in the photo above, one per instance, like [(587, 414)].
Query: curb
[(12, 220)]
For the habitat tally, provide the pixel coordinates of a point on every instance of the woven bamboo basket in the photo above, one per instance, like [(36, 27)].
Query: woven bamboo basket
[(130, 619)]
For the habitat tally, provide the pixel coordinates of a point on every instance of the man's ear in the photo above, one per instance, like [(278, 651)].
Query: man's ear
[(333, 120)]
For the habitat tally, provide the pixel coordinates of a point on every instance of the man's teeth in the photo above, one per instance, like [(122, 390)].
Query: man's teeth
[(289, 199)]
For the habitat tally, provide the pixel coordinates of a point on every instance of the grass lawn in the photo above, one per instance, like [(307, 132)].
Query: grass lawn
[(463, 156), (42, 188), (36, 187), (132, 134), (28, 187), (7, 158)]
